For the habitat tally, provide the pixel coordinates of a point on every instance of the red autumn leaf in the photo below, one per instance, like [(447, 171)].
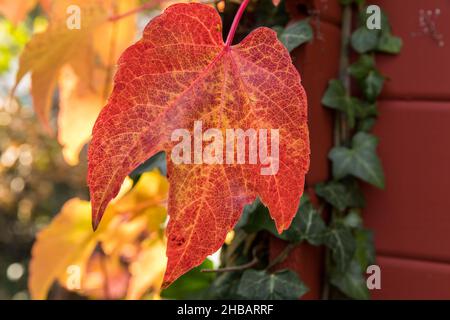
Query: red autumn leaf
[(180, 72)]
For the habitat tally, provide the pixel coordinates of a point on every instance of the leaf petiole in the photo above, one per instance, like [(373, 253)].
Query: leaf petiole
[(235, 24)]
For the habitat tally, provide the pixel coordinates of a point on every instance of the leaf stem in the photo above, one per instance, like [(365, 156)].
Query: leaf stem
[(143, 7), (235, 23), (341, 130), (245, 266), (104, 270), (111, 54), (343, 66)]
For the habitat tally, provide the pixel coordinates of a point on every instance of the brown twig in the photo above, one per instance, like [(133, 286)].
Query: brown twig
[(245, 266), (104, 269), (343, 66), (111, 55), (341, 130), (241, 267)]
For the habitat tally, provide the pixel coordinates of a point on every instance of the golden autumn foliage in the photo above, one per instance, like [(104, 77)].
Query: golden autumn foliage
[(16, 11), (125, 258), (79, 62)]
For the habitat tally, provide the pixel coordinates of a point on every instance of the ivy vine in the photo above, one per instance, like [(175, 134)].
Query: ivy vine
[(354, 158)]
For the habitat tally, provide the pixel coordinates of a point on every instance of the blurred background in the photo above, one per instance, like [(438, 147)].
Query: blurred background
[(36, 180)]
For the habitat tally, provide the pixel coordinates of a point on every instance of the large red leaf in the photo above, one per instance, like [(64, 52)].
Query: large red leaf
[(181, 72)]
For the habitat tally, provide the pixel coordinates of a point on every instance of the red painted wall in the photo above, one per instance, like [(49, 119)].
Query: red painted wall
[(411, 217)]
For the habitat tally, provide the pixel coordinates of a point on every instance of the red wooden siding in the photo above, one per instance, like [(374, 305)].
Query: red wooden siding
[(412, 279), (411, 218)]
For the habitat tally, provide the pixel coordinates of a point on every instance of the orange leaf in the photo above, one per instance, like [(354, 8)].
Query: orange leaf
[(181, 72), (16, 11)]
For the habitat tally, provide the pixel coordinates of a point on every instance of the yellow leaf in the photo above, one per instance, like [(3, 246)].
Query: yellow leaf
[(151, 185), (79, 108), (148, 269), (47, 52), (81, 62), (69, 238), (140, 212), (151, 189), (82, 100), (130, 233)]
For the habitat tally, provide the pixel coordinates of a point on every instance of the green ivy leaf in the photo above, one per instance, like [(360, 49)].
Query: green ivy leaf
[(364, 40), (225, 286), (342, 244), (191, 285), (351, 282), (348, 2), (366, 125), (365, 248), (307, 224), (256, 217), (311, 226), (360, 160), (361, 68), (353, 219), (335, 97), (341, 195), (364, 109), (281, 285), (372, 85), (295, 34), (389, 43), (279, 30), (369, 78)]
